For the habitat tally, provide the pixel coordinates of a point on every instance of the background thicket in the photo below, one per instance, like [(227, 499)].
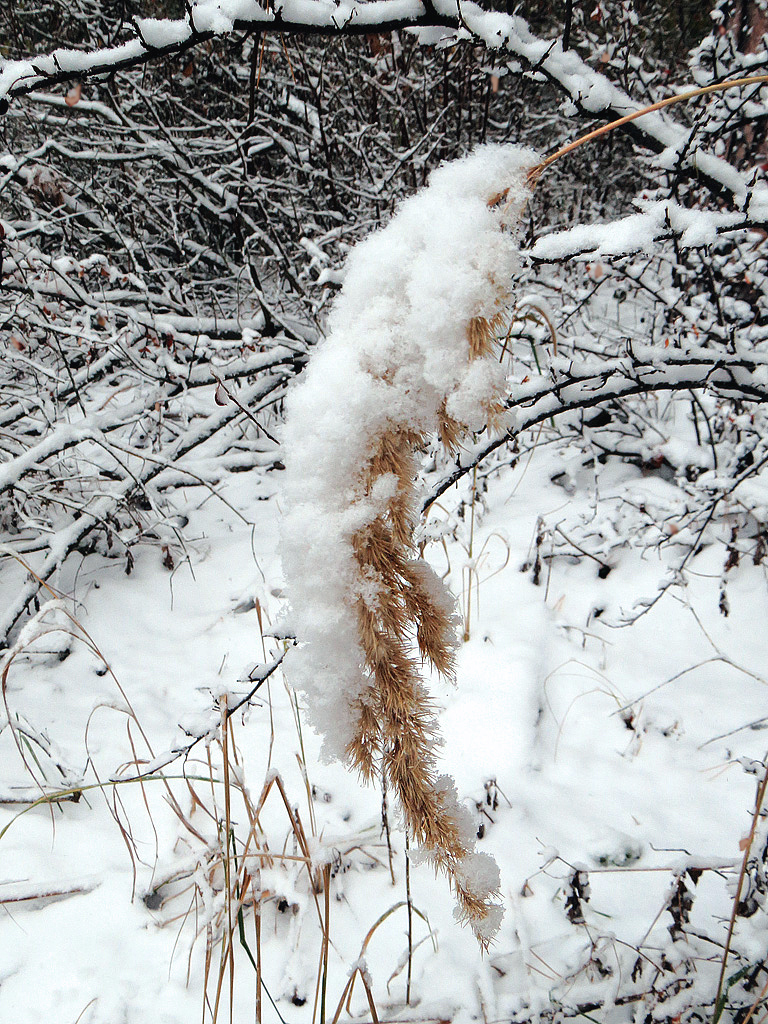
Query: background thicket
[(171, 238)]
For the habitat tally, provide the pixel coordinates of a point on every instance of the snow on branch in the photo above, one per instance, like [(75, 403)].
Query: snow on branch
[(572, 387), (655, 220), (111, 403), (588, 91), (206, 19), (134, 473)]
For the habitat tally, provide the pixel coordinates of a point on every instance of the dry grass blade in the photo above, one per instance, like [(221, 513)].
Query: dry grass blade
[(721, 995), (683, 97)]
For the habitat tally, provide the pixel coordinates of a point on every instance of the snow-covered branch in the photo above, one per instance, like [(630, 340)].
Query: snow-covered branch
[(572, 388), (588, 91), (657, 220), (208, 19)]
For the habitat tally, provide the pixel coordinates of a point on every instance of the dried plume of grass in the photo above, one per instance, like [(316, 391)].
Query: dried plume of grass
[(408, 379), (397, 726)]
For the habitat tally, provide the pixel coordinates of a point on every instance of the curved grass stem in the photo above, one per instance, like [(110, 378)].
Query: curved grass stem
[(683, 97)]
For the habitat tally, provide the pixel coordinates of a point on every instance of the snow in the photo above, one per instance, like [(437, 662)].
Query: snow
[(582, 84), (591, 754), (533, 721), (637, 232), (161, 32)]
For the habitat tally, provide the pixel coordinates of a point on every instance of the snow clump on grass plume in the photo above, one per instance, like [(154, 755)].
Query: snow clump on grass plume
[(409, 353)]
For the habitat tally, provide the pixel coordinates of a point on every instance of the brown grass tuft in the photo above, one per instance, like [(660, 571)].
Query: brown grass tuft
[(480, 334), (396, 723), (449, 430), (403, 621)]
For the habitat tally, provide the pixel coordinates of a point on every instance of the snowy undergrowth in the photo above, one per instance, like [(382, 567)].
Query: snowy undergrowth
[(575, 747), (610, 771)]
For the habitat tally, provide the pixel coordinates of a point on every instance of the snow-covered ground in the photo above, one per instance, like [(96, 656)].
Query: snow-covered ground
[(579, 746)]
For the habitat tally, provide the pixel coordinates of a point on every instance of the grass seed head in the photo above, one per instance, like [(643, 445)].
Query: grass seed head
[(386, 353)]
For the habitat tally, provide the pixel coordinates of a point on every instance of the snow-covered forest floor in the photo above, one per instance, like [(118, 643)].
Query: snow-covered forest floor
[(207, 411), (608, 768)]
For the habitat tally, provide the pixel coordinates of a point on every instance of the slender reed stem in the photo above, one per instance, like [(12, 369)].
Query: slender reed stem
[(683, 97), (385, 825), (326, 941), (720, 996), (470, 552), (409, 904)]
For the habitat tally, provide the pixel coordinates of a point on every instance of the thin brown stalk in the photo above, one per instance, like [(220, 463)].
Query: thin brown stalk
[(409, 903), (326, 941), (257, 927), (756, 1003), (369, 994), (759, 798), (345, 995), (683, 97)]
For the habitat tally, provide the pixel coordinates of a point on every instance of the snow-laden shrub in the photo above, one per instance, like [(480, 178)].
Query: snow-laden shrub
[(409, 353)]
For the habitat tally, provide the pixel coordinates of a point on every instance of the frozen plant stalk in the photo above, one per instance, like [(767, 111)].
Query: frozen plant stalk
[(409, 353)]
